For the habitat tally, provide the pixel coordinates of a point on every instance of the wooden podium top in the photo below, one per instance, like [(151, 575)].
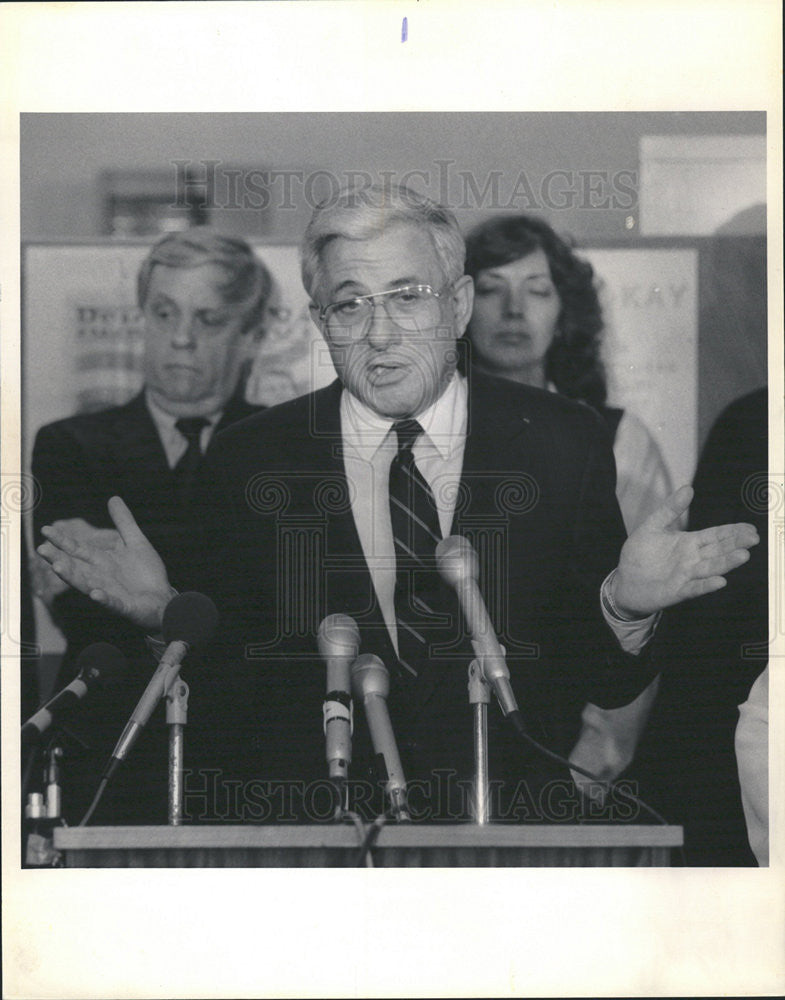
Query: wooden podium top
[(406, 844), (298, 835)]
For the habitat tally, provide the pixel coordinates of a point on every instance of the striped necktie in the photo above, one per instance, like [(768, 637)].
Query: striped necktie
[(415, 527)]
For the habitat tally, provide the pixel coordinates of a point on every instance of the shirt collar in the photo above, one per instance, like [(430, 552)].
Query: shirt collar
[(444, 421), (165, 422)]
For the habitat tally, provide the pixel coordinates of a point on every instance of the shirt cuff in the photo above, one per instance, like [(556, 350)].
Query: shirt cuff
[(156, 645), (632, 634)]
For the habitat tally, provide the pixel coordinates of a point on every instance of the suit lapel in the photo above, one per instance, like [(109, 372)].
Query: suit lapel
[(495, 452), (138, 442)]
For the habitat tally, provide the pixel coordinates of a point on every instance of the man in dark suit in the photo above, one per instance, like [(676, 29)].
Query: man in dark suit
[(716, 647), (203, 297), (327, 504), (535, 488)]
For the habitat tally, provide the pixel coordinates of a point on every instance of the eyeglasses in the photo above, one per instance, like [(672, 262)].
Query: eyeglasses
[(405, 306)]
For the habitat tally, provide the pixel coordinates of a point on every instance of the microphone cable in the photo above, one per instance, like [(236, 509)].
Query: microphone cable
[(517, 722), (363, 858), (367, 835), (96, 799), (374, 828)]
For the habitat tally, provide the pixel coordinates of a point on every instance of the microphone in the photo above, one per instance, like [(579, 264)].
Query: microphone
[(99, 664), (189, 620), (339, 644), (459, 567), (371, 682)]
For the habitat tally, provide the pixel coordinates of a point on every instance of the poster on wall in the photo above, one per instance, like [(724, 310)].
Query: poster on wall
[(650, 348)]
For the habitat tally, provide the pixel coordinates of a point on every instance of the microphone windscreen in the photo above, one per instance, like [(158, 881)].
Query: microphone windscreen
[(456, 560), (339, 636), (370, 676), (191, 618), (101, 663)]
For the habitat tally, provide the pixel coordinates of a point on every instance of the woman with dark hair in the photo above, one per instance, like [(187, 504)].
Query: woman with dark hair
[(537, 319)]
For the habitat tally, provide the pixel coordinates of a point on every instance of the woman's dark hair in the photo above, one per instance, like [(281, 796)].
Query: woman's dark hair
[(573, 360)]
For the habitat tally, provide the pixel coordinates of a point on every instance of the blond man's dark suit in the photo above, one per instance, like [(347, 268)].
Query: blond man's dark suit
[(80, 462)]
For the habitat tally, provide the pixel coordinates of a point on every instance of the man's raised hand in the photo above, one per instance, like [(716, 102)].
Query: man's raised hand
[(118, 569), (661, 565), (46, 584)]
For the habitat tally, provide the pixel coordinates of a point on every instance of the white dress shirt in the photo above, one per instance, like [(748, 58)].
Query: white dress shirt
[(173, 442), (370, 444)]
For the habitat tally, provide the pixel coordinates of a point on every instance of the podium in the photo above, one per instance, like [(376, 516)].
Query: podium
[(409, 845)]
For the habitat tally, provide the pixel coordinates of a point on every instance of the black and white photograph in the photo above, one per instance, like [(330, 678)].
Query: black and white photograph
[(392, 523)]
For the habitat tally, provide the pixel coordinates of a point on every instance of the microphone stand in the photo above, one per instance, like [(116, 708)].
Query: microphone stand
[(479, 698), (43, 813), (176, 719)]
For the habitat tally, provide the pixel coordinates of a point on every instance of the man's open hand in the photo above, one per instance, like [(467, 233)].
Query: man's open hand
[(661, 565), (117, 568)]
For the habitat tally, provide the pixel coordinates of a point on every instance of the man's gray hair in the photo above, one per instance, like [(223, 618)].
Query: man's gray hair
[(248, 282), (361, 212)]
